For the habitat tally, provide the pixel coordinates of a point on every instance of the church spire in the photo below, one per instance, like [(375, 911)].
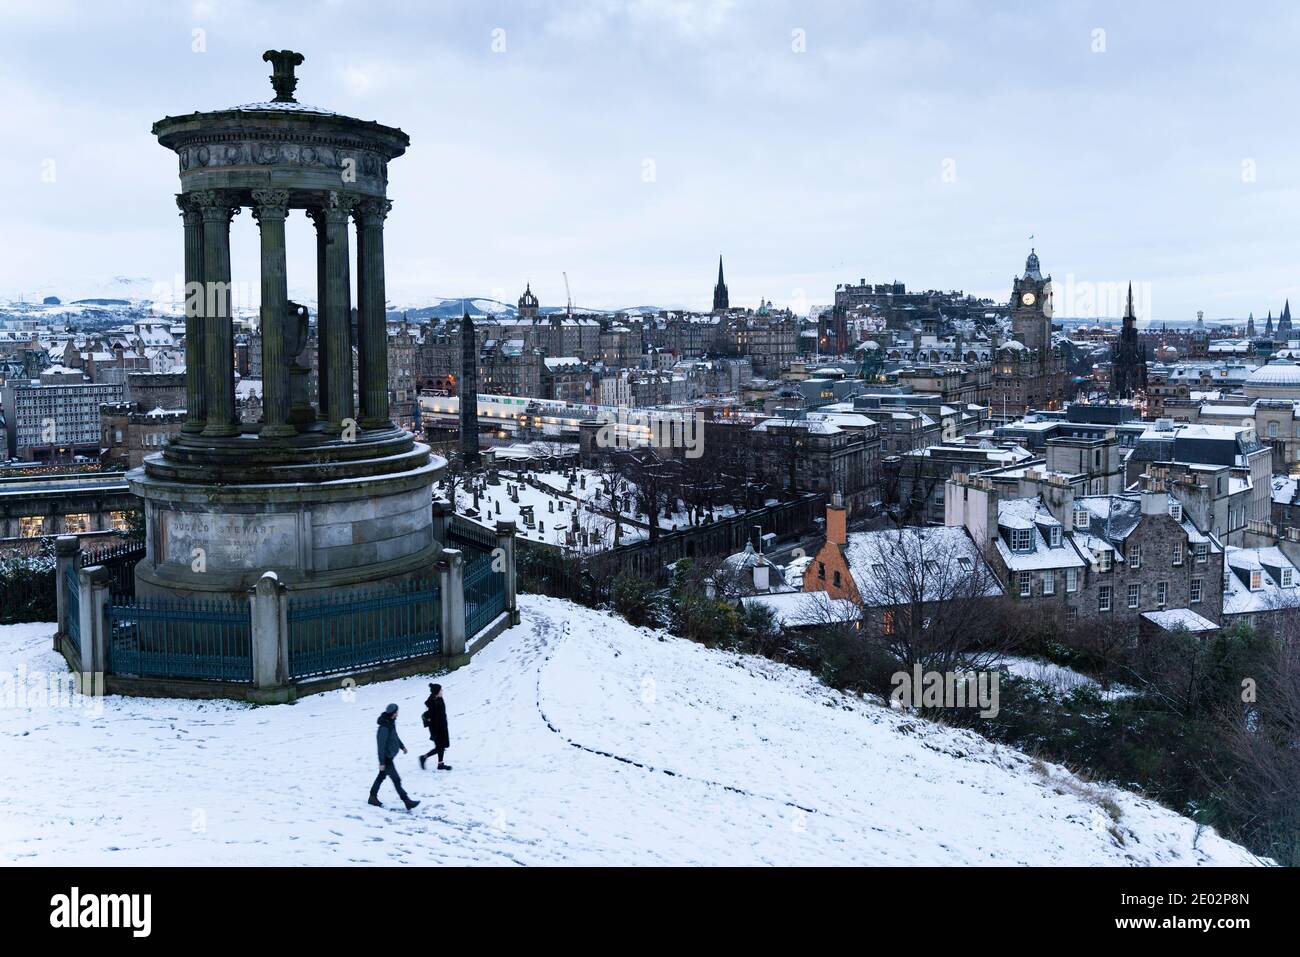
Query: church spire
[(1128, 310), (721, 301)]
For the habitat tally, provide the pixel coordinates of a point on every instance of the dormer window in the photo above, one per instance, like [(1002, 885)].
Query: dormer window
[(1255, 580), (1022, 539), (1103, 561), (1286, 578), (1054, 536), (1081, 518)]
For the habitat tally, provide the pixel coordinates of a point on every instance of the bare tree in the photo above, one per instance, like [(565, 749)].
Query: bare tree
[(929, 598)]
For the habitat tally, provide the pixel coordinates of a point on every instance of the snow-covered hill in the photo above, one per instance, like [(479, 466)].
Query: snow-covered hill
[(576, 739)]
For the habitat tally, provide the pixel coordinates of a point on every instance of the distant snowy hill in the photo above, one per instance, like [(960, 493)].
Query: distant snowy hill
[(137, 294), (576, 739)]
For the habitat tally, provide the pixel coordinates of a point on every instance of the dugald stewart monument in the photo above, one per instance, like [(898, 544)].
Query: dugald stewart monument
[(325, 491)]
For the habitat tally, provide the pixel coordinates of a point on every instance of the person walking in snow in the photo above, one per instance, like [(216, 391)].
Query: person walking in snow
[(389, 744), (435, 719)]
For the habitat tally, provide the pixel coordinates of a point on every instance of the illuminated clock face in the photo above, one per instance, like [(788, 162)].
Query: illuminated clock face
[(1028, 299)]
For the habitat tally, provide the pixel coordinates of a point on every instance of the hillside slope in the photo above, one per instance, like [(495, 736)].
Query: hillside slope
[(576, 739)]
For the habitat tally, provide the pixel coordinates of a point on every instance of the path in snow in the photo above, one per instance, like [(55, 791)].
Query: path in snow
[(576, 739)]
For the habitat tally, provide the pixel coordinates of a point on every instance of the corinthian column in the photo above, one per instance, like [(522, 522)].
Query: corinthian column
[(271, 207), (336, 316), (196, 406), (217, 209), (372, 325)]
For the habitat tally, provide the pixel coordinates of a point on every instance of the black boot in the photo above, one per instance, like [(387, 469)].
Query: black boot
[(423, 757), (444, 767), (410, 804), (375, 801)]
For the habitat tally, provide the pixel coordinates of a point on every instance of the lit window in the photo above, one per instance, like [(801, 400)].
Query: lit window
[(31, 526), (1255, 580), (72, 524)]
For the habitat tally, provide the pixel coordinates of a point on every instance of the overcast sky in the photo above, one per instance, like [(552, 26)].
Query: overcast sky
[(629, 142)]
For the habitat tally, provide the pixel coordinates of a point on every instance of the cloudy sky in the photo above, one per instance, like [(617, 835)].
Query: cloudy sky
[(629, 142)]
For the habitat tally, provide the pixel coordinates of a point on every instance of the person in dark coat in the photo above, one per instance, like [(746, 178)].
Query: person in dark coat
[(389, 744), (435, 718)]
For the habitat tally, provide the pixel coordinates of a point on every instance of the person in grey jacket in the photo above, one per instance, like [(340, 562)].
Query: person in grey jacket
[(389, 744)]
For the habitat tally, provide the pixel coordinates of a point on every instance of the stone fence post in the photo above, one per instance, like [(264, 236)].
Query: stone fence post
[(269, 610), (94, 584), (506, 544), (451, 590), (67, 554), (441, 521)]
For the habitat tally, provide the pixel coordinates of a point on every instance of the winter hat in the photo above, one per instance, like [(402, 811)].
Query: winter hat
[(435, 688), (391, 709)]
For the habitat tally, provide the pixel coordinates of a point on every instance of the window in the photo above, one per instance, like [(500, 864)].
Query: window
[(1286, 578), (1049, 583), (1178, 552), (836, 579), (1162, 593), (72, 524), (1026, 584), (1071, 614), (821, 570), (1254, 580), (889, 623), (1272, 430), (1135, 556), (1103, 598), (31, 526), (1196, 590), (1202, 552), (1080, 518), (1103, 561), (1022, 539), (1055, 538), (1072, 579), (1134, 595)]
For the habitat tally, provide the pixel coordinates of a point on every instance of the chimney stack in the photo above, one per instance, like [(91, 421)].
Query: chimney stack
[(837, 521)]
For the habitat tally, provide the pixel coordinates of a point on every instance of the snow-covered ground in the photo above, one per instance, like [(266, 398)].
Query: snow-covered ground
[(1059, 678), (576, 739), (553, 507)]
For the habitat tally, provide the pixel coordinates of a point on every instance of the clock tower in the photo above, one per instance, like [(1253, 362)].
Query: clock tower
[(1028, 373), (1031, 308)]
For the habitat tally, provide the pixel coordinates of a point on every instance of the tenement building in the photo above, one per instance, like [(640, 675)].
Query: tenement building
[(1103, 560)]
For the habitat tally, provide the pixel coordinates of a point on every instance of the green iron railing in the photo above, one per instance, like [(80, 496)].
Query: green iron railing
[(485, 593), (206, 640), (470, 536), (363, 629)]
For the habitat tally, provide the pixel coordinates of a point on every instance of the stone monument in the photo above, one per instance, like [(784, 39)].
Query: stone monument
[(325, 491)]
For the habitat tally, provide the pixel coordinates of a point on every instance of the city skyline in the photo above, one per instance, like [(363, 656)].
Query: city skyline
[(627, 144)]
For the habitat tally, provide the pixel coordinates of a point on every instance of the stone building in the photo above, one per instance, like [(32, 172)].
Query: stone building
[(1104, 560), (131, 434)]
